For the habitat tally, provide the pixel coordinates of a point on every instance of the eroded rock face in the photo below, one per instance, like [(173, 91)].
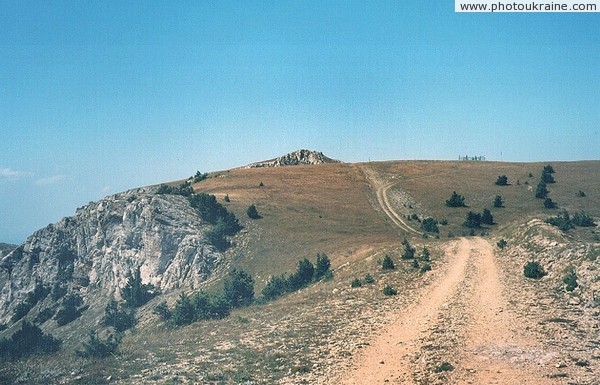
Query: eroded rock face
[(298, 157), (93, 251)]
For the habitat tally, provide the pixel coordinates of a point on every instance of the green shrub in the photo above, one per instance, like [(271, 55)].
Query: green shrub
[(322, 266), (119, 317), (502, 180), (28, 340), (135, 293), (498, 202), (548, 169), (562, 221), (430, 225), (162, 311), (549, 204), (570, 279), (199, 177), (501, 244), (486, 217), (184, 312), (389, 290), (456, 200), (369, 278), (547, 177), (408, 252), (443, 221), (580, 194), (583, 219), (541, 191), (302, 276), (425, 255), (238, 288), (473, 220), (415, 264), (252, 212), (355, 283), (276, 286), (97, 348), (533, 269), (226, 199), (387, 263), (426, 267), (184, 189), (71, 309)]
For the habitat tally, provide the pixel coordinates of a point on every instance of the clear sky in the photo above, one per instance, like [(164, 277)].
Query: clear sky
[(100, 97)]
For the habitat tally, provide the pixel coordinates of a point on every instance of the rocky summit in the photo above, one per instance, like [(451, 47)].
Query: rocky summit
[(298, 157), (93, 252)]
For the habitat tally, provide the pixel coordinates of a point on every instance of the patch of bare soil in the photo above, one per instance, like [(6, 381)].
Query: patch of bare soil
[(458, 330)]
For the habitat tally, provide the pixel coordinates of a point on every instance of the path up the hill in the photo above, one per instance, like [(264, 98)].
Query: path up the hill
[(459, 330)]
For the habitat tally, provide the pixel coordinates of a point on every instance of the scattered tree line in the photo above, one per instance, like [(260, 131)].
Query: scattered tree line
[(565, 222), (475, 220), (305, 273)]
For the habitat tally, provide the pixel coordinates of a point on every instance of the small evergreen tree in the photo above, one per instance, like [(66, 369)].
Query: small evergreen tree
[(533, 269), (547, 177), (135, 293), (425, 254), (549, 204), (388, 263), (548, 169), (184, 312), (302, 276), (541, 191), (583, 219), (355, 283), (430, 225), (502, 180), (389, 290), (252, 212), (239, 288), (570, 279), (456, 200), (322, 266), (28, 340), (487, 218), (408, 252), (502, 244), (96, 348), (473, 220), (369, 278), (562, 221), (275, 287), (498, 201), (118, 317)]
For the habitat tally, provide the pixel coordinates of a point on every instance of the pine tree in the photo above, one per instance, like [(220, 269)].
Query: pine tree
[(486, 217)]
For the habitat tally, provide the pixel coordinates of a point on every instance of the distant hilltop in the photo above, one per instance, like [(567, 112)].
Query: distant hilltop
[(298, 157)]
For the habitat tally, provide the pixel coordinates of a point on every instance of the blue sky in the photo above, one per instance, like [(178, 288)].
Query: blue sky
[(99, 98)]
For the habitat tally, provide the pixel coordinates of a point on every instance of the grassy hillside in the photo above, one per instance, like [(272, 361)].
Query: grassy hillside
[(332, 209)]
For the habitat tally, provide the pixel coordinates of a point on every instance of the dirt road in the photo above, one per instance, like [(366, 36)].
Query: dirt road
[(459, 330)]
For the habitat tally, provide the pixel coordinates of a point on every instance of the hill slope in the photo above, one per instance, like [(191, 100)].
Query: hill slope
[(356, 214)]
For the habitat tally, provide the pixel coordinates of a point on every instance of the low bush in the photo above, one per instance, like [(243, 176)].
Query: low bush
[(369, 278), (118, 316), (501, 244), (389, 290), (583, 219), (456, 200), (430, 225), (570, 279), (387, 263), (562, 221), (28, 340), (408, 252), (355, 283), (533, 269), (426, 267), (97, 348)]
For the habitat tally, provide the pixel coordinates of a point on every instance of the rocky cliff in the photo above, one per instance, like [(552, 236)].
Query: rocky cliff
[(298, 157), (92, 252)]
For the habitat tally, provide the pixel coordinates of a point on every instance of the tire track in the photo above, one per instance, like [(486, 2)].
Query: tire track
[(462, 320)]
